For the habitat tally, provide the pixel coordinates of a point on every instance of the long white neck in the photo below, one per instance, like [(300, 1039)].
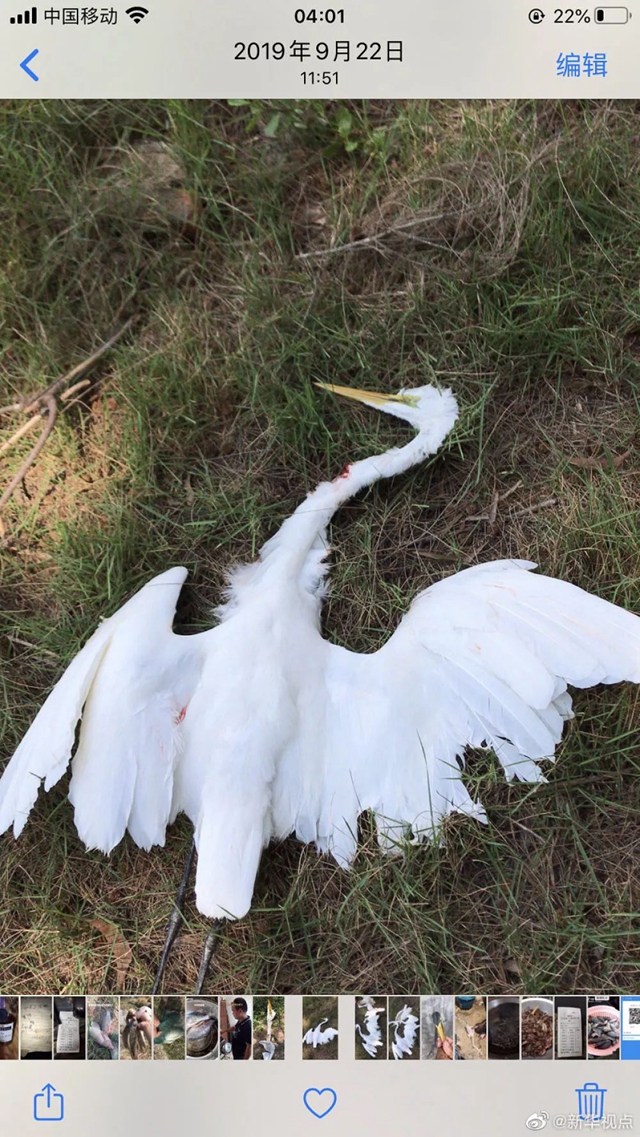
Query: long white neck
[(306, 526), (298, 550)]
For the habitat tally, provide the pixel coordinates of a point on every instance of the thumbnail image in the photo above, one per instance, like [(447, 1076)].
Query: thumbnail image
[(371, 1027), (103, 1035), (537, 1028), (570, 1026), (437, 1026), (503, 1027), (630, 1026), (168, 1019), (268, 1028), (404, 1027), (202, 1027), (236, 1027), (603, 1027), (470, 1020), (319, 1027), (137, 1028), (9, 1028), (69, 1021), (36, 1026)]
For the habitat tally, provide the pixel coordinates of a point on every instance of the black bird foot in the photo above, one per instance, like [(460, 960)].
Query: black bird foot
[(175, 920), (207, 954)]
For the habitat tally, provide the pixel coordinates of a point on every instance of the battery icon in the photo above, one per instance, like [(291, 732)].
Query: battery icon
[(611, 15)]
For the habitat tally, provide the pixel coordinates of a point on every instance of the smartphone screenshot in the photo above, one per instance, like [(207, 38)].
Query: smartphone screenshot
[(319, 586)]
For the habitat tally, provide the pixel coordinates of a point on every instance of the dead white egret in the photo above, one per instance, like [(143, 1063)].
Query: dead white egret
[(405, 1029), (261, 710), (371, 1036), (316, 1036)]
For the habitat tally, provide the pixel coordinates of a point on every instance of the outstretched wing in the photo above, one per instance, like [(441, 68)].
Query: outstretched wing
[(481, 659), (130, 685)]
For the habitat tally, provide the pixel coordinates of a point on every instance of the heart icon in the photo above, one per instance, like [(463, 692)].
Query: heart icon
[(320, 1102)]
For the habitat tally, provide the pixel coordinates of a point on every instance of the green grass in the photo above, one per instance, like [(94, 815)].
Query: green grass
[(202, 431)]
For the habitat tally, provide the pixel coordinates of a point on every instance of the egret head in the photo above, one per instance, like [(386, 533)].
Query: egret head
[(428, 410)]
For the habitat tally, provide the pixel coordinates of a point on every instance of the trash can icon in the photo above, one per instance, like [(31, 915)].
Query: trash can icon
[(591, 1102)]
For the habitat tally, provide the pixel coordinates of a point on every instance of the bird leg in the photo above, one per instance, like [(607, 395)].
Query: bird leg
[(207, 954), (175, 920)]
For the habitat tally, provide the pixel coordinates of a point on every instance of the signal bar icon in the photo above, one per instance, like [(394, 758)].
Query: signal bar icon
[(30, 16)]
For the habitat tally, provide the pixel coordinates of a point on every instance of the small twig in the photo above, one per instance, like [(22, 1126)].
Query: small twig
[(79, 369), (20, 433), (30, 423), (527, 830), (31, 457), (33, 647), (45, 400), (534, 508), (504, 496), (364, 242), (493, 511), (68, 394), (498, 498)]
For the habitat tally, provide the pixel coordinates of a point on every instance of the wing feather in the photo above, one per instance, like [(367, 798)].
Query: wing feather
[(482, 659), (43, 755), (128, 685)]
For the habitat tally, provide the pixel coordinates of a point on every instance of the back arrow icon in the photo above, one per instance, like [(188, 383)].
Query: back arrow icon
[(25, 66)]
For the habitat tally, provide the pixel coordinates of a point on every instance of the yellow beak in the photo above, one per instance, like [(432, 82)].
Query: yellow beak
[(372, 397)]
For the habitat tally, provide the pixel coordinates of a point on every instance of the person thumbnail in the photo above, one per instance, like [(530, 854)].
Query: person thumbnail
[(235, 1027)]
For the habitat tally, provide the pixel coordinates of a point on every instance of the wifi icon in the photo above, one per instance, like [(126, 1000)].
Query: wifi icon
[(137, 13)]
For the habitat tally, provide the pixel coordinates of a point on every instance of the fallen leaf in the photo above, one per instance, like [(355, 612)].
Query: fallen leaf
[(149, 173), (602, 463), (121, 951), (511, 968)]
